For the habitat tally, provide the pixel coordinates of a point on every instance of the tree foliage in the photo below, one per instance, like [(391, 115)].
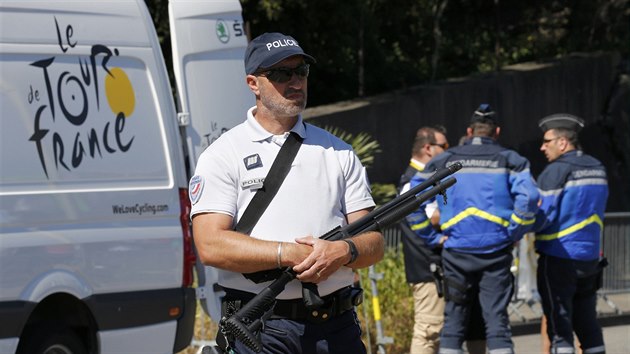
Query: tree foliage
[(366, 47)]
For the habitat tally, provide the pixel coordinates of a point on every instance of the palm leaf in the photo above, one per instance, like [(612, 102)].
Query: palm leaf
[(363, 144)]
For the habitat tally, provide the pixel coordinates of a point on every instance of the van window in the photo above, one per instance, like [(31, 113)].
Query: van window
[(86, 119)]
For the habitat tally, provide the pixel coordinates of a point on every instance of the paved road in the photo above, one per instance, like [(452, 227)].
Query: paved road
[(616, 338), (616, 326)]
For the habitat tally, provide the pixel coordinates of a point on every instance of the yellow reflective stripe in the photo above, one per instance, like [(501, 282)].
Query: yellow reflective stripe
[(579, 226), (522, 221), (376, 307), (420, 226), (475, 212)]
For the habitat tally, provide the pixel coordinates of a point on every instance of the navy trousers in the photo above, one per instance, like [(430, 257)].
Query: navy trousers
[(339, 335), (488, 275), (568, 290)]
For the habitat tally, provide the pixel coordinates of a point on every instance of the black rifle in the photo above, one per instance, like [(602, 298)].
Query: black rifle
[(248, 319)]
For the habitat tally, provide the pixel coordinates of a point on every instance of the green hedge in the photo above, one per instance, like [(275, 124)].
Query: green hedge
[(396, 303)]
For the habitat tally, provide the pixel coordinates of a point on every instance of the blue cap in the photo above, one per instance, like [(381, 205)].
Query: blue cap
[(269, 49), (562, 121), (484, 114)]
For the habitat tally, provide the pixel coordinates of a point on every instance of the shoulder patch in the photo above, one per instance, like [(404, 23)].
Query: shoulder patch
[(195, 188)]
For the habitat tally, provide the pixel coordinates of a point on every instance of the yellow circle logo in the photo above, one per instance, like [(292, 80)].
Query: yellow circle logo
[(119, 92)]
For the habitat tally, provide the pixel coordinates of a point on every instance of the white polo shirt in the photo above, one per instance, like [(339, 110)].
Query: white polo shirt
[(326, 182)]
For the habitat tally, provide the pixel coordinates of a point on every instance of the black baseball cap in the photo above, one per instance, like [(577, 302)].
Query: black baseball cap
[(484, 114), (561, 120), (269, 49)]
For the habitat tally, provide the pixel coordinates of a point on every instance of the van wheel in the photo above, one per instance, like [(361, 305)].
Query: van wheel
[(59, 341)]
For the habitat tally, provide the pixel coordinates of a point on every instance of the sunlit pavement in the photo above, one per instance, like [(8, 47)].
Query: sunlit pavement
[(616, 338), (614, 317)]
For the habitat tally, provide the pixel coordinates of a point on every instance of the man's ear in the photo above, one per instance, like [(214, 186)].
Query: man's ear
[(497, 132), (563, 143), (426, 149), (252, 82), (469, 132)]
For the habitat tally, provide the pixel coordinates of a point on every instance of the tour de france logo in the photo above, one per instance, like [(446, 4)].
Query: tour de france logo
[(119, 92), (71, 124)]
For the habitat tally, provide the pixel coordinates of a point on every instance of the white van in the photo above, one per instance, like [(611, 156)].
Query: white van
[(96, 253)]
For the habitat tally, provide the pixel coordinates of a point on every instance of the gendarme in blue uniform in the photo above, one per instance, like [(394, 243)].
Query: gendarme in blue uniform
[(492, 205), (569, 224)]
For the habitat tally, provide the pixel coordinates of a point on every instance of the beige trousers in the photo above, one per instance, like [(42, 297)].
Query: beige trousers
[(428, 317)]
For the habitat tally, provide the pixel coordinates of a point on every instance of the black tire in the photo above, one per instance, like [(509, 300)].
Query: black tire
[(46, 340)]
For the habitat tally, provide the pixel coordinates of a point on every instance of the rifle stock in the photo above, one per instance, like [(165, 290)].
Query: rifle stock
[(247, 319)]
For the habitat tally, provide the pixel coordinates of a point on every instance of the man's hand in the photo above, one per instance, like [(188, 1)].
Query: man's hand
[(435, 220), (325, 259)]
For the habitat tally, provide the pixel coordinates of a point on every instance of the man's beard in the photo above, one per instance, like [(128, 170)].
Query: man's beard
[(283, 107)]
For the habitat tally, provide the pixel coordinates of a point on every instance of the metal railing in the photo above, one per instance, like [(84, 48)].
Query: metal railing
[(616, 248)]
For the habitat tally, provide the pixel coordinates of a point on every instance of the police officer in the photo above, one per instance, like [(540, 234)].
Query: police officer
[(569, 223), (326, 186), (492, 206), (428, 303)]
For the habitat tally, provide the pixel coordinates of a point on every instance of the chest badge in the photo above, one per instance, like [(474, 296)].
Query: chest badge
[(252, 161)]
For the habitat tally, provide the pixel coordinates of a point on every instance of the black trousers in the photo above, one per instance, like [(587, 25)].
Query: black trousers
[(568, 290), (339, 335), (488, 275)]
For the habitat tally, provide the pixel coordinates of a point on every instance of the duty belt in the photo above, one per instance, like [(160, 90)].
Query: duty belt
[(335, 304)]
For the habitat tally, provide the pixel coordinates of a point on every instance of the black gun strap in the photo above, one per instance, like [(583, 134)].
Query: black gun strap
[(278, 171)]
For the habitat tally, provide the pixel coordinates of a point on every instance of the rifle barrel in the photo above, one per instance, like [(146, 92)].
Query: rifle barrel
[(404, 208), (404, 198), (410, 194)]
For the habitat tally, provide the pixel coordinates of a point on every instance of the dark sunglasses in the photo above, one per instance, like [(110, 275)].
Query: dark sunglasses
[(282, 75), (443, 146)]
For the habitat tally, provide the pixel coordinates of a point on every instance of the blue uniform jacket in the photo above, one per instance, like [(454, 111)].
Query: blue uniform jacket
[(574, 191), (492, 205)]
